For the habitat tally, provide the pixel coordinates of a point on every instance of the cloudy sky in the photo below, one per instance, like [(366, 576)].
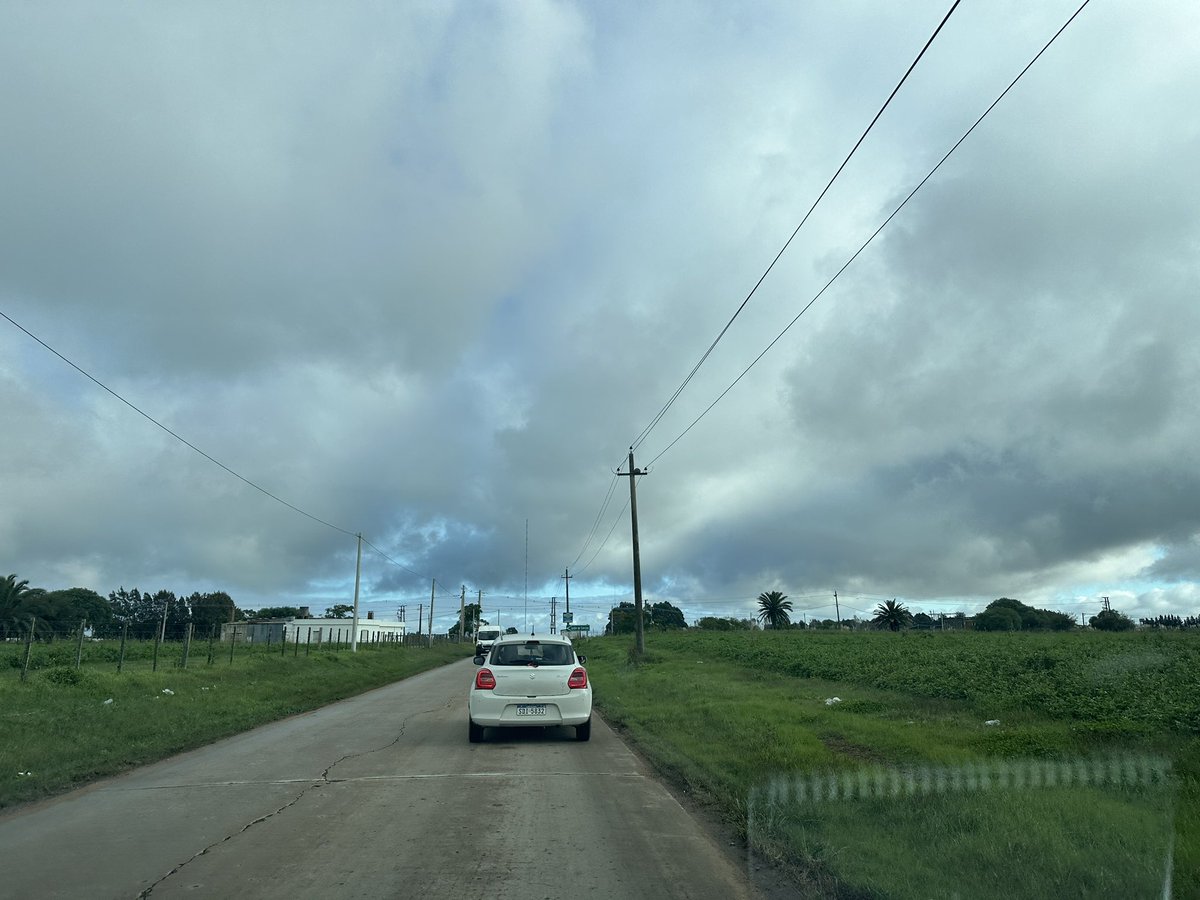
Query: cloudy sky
[(425, 271)]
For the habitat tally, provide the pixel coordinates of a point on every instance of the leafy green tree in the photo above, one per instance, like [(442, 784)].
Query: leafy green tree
[(623, 619), (1111, 620), (210, 611), (665, 616), (891, 615), (133, 609), (340, 611), (65, 609), (1000, 618), (716, 623), (471, 614), (774, 609), (1028, 618)]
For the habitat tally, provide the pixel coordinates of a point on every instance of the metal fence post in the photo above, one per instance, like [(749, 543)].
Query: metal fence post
[(232, 642)]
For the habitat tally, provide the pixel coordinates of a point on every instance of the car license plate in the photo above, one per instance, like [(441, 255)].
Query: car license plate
[(531, 709)]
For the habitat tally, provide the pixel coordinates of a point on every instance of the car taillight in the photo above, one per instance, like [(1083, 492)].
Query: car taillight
[(578, 679), (485, 680)]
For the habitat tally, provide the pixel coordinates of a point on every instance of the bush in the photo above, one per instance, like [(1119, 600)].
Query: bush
[(64, 675)]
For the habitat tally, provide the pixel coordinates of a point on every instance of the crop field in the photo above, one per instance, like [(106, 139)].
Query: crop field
[(879, 765)]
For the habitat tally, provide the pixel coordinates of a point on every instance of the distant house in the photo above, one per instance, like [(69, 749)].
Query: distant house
[(313, 631)]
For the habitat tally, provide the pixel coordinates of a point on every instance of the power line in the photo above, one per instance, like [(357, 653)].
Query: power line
[(207, 456), (875, 233), (396, 563), (704, 356), (612, 486), (616, 521), (177, 437)]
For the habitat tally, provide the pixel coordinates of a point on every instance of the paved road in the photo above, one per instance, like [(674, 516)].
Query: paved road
[(377, 796)]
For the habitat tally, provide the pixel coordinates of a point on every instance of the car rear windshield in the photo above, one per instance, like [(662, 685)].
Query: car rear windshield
[(532, 653)]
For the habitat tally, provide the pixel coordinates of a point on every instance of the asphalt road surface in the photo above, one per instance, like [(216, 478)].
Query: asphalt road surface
[(377, 796)]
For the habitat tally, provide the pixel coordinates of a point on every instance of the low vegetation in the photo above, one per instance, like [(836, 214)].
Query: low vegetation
[(880, 764)]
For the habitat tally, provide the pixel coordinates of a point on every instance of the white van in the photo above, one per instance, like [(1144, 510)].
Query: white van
[(485, 637)]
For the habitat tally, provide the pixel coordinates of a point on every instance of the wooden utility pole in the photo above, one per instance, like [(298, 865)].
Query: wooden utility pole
[(462, 607), (837, 610), (637, 555)]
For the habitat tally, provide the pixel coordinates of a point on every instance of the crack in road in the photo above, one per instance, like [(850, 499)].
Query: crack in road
[(315, 783)]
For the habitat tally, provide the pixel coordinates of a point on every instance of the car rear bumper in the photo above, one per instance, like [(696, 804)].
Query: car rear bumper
[(492, 711)]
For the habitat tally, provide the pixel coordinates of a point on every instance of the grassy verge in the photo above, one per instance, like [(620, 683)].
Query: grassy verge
[(901, 789), (65, 726)]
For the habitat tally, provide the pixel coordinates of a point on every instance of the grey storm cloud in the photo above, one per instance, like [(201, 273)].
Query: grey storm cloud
[(426, 272)]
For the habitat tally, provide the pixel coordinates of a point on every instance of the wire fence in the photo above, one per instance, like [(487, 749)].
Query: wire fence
[(126, 647)]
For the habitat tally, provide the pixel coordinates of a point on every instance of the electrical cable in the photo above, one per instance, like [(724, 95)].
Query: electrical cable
[(875, 234), (616, 521), (704, 356), (177, 437), (192, 446), (612, 487)]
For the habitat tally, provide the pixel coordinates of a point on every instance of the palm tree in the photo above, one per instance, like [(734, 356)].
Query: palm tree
[(11, 594), (892, 616), (773, 609)]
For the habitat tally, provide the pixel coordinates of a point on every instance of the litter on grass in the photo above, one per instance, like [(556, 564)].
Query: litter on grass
[(833, 700)]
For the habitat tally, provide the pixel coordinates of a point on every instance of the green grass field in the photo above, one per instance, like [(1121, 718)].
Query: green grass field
[(1086, 787), (63, 726)]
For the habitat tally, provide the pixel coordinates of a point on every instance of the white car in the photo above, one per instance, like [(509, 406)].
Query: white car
[(530, 680)]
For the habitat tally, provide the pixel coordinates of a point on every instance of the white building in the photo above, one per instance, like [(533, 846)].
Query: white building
[(313, 631)]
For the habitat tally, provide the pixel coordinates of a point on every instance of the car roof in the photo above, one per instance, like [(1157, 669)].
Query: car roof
[(543, 638)]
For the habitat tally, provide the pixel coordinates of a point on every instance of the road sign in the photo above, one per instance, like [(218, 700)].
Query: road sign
[(578, 628), (568, 618)]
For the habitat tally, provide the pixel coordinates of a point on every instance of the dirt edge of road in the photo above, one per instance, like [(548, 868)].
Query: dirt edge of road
[(770, 881)]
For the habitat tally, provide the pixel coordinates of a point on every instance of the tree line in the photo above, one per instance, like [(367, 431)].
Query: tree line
[(775, 612), (62, 612)]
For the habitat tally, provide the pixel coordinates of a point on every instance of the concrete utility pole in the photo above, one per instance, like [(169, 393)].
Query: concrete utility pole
[(478, 609), (357, 573), (567, 576), (462, 608), (526, 625), (637, 555), (553, 612), (432, 592), (837, 610)]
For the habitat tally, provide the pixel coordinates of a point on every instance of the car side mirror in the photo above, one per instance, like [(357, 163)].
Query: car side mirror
[(479, 660)]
